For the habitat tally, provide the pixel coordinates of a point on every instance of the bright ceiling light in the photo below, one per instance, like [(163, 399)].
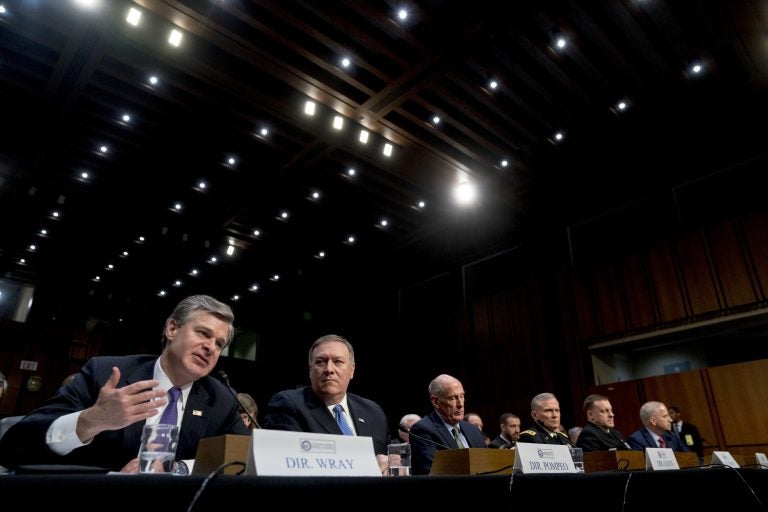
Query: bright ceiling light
[(134, 15), (309, 108), (174, 39), (465, 193)]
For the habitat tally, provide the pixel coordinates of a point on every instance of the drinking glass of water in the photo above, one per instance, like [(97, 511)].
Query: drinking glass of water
[(157, 451), (577, 454), (399, 459)]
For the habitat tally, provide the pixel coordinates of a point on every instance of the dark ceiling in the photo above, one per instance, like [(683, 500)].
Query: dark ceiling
[(68, 74)]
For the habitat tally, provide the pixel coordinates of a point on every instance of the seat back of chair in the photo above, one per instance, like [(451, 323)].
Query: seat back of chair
[(8, 422)]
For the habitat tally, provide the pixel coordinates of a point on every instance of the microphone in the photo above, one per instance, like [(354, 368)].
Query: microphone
[(225, 379), (623, 442), (408, 431)]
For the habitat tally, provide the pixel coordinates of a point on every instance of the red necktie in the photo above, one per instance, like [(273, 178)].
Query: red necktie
[(662, 444)]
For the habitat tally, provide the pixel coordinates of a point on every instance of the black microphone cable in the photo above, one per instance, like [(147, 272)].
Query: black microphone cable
[(210, 477)]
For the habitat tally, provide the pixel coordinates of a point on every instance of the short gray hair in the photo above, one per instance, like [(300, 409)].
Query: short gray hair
[(194, 303)]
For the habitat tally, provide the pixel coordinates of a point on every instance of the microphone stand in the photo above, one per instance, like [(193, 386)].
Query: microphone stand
[(408, 431), (225, 379)]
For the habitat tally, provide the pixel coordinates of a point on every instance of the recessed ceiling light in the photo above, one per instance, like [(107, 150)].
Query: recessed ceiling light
[(133, 17)]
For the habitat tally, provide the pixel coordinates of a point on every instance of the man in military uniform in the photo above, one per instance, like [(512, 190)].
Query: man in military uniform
[(545, 411)]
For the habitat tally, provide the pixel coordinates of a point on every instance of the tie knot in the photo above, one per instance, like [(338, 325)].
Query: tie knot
[(175, 393), (338, 409)]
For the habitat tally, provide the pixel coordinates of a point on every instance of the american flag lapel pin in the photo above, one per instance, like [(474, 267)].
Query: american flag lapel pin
[(361, 420), (197, 412)]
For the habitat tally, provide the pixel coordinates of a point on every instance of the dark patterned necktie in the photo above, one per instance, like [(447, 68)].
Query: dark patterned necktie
[(171, 414), (662, 444), (338, 412)]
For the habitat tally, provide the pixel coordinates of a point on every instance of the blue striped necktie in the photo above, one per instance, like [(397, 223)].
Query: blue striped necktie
[(338, 412), (170, 414)]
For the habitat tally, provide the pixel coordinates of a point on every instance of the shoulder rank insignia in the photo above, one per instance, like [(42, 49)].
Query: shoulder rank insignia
[(528, 432)]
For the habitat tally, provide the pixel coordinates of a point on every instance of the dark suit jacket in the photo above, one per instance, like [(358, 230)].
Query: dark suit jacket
[(538, 434), (696, 445), (641, 439), (431, 427), (300, 410), (595, 439), (210, 410)]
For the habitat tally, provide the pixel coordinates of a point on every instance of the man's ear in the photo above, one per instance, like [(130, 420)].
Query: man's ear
[(170, 330)]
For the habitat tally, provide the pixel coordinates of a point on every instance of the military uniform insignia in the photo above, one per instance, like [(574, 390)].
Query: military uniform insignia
[(528, 432)]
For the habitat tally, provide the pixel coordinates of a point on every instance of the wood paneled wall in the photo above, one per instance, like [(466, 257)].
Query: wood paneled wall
[(726, 403), (531, 332)]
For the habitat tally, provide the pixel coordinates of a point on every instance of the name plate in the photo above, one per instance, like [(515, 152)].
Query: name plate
[(660, 459), (543, 458), (724, 458), (762, 460), (282, 453)]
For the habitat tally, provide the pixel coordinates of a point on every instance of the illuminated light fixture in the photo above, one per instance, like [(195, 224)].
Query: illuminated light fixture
[(558, 137), (493, 84), (230, 250), (338, 122), (125, 254), (177, 283), (351, 172), (275, 277), (23, 261), (162, 293), (235, 297), (256, 233), (134, 15), (231, 160), (505, 163), (141, 239), (315, 195), (194, 272), (346, 62), (436, 120), (84, 175), (174, 38), (402, 14), (202, 185), (309, 108), (351, 239), (126, 118), (561, 43), (32, 247), (110, 267), (421, 205), (153, 80), (2, 9), (43, 232), (254, 288), (178, 207), (213, 259), (87, 4), (363, 138), (264, 132), (320, 255), (465, 193), (387, 150), (383, 223), (103, 150), (55, 214)]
